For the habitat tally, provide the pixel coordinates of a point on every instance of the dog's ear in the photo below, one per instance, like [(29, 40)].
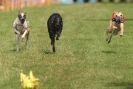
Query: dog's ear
[(25, 13), (19, 15), (52, 20), (19, 12)]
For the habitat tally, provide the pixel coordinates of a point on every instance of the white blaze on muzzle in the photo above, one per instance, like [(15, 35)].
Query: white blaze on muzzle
[(22, 15)]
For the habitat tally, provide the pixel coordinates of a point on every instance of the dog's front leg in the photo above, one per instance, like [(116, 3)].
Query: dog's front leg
[(25, 32), (17, 42), (53, 44), (58, 35), (27, 37)]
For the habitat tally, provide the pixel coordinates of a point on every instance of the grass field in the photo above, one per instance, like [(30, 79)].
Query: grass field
[(83, 59)]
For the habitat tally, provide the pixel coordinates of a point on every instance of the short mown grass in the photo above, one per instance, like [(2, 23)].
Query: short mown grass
[(83, 59)]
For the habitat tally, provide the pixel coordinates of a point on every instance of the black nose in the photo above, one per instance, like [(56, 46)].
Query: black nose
[(22, 20), (117, 20)]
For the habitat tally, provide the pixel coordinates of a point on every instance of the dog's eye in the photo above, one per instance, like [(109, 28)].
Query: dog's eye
[(19, 16), (24, 16)]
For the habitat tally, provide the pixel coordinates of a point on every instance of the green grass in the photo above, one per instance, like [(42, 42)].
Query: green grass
[(83, 59)]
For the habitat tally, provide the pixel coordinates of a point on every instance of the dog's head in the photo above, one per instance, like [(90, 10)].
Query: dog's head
[(56, 22), (118, 19), (22, 17), (118, 16)]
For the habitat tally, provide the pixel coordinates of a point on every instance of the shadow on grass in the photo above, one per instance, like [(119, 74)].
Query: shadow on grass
[(47, 51), (126, 85), (109, 52), (20, 50), (12, 50)]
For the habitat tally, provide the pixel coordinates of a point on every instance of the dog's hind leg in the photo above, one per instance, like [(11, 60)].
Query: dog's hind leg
[(17, 42)]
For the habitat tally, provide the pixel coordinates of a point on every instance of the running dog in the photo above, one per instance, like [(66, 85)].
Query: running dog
[(21, 28), (55, 25), (116, 25)]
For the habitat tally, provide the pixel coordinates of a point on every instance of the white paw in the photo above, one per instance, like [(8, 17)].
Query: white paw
[(22, 36)]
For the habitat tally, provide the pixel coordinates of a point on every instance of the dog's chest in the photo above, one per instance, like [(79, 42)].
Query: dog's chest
[(20, 28)]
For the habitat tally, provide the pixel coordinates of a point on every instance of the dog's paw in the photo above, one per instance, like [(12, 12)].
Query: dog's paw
[(57, 38), (17, 49), (22, 36)]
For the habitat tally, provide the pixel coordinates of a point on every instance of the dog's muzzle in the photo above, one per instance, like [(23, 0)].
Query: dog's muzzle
[(117, 19), (22, 21)]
